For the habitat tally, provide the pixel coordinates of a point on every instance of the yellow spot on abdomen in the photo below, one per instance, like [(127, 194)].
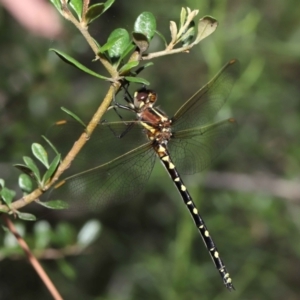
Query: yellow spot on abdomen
[(228, 280), (171, 166)]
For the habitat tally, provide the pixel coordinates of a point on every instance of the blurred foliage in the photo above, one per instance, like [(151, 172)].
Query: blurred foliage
[(149, 248)]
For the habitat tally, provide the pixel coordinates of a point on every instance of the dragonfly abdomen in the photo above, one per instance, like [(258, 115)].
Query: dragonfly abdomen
[(166, 160)]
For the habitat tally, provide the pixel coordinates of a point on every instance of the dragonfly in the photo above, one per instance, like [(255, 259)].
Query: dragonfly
[(185, 144)]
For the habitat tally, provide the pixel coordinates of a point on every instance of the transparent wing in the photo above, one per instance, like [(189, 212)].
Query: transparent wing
[(103, 146), (202, 106), (194, 149), (120, 179)]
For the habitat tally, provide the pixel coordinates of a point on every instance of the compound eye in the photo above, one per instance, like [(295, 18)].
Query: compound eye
[(141, 96)]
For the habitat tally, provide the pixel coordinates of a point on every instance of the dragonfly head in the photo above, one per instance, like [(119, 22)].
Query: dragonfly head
[(144, 98)]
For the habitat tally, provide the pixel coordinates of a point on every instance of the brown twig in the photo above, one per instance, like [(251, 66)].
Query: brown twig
[(34, 262)]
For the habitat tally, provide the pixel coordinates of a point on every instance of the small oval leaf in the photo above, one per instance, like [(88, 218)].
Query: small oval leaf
[(140, 69), (31, 165), (188, 36), (129, 48), (54, 204), (141, 41), (127, 67), (26, 216), (53, 166), (70, 60), (89, 233), (77, 7), (109, 44), (145, 24), (40, 153), (66, 269), (25, 170), (108, 4), (121, 40), (206, 26), (162, 37), (57, 4), (174, 31), (42, 234), (50, 144), (94, 12), (137, 80), (7, 195), (25, 183), (182, 16), (73, 115)]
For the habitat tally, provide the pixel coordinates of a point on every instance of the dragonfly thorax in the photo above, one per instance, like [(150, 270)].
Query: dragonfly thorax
[(156, 123)]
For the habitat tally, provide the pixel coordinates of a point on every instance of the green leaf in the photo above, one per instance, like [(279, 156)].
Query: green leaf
[(75, 117), (2, 183), (174, 31), (206, 26), (188, 36), (25, 183), (137, 80), (66, 269), (52, 169), (97, 10), (120, 38), (54, 204), (57, 4), (40, 153), (33, 167), (7, 195), (141, 41), (25, 170), (140, 69), (110, 42), (77, 7), (42, 234), (98, 46), (89, 233), (127, 67), (50, 144), (129, 48), (26, 216), (162, 37), (70, 60), (64, 234), (108, 4), (145, 24), (182, 16)]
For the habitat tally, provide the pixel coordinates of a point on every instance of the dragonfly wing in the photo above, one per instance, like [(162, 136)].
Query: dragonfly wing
[(205, 103), (194, 149), (104, 144), (117, 180)]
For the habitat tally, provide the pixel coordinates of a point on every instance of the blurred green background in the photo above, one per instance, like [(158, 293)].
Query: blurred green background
[(148, 248)]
